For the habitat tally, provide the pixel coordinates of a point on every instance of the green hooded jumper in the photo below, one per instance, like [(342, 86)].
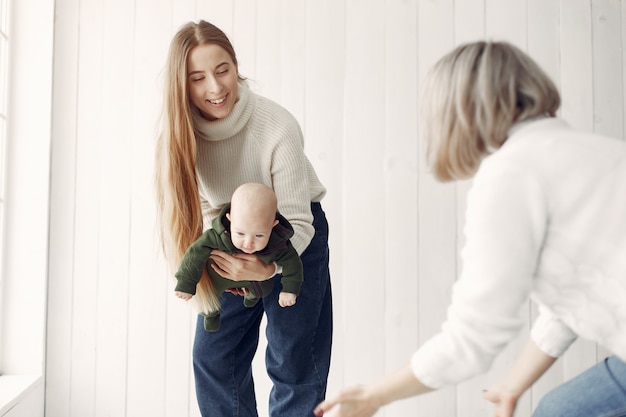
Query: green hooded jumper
[(279, 249)]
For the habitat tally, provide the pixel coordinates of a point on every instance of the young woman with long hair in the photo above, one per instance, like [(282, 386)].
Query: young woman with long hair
[(217, 134)]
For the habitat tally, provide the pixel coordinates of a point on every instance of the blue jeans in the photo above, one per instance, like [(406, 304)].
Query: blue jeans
[(298, 344), (600, 391)]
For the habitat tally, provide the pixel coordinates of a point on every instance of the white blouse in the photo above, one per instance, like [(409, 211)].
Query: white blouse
[(546, 218)]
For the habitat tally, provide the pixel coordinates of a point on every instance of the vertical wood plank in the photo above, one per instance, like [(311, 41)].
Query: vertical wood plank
[(323, 123), (87, 221), (400, 195), (244, 36), (544, 36), (434, 22), (469, 21), (218, 12), (323, 134), (607, 70), (148, 283), (268, 50), (437, 274), (436, 201), (507, 20), (180, 323), (182, 11), (623, 19), (113, 237), (292, 58), (362, 171), (62, 203), (576, 77)]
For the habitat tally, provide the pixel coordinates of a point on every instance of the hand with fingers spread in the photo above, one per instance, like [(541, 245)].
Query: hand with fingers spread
[(365, 400), (351, 402), (241, 266)]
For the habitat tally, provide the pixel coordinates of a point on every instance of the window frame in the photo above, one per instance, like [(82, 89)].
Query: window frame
[(27, 206), (4, 96)]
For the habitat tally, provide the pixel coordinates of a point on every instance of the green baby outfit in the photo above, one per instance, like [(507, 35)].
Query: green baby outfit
[(279, 250)]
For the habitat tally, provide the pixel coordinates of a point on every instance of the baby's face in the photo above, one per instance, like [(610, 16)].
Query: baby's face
[(250, 233)]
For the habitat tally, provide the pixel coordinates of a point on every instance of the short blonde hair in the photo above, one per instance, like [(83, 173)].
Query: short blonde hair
[(472, 97)]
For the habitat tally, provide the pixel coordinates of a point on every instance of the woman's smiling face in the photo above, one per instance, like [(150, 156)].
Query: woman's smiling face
[(212, 80)]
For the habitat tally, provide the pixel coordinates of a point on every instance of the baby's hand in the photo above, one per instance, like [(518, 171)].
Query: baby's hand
[(183, 295), (286, 299)]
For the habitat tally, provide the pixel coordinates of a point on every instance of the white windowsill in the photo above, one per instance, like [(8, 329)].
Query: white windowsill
[(13, 388)]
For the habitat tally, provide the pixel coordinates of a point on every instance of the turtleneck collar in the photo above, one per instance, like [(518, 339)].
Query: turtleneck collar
[(217, 130)]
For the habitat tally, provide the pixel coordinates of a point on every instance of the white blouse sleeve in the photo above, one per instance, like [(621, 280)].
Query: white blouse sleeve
[(550, 334), (504, 229)]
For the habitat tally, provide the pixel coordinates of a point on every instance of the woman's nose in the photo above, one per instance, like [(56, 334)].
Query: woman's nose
[(213, 86)]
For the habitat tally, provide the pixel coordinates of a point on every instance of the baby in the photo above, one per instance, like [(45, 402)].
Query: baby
[(249, 224)]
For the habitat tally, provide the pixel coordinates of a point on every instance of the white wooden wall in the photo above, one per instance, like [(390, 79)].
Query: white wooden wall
[(119, 342)]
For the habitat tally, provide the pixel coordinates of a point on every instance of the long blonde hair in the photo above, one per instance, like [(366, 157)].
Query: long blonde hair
[(472, 97), (178, 200)]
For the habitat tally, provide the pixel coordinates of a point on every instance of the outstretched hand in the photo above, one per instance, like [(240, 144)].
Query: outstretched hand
[(365, 400), (241, 267), (350, 402)]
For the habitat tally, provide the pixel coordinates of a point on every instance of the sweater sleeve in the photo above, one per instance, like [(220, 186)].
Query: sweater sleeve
[(504, 228), (289, 172)]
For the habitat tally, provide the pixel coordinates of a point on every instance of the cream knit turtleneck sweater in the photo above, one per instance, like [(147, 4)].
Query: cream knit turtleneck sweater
[(259, 141)]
